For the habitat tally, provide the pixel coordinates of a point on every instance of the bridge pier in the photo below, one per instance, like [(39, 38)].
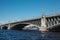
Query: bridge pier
[(1, 27), (43, 27), (9, 26)]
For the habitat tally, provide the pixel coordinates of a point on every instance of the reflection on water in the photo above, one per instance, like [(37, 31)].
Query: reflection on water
[(28, 35)]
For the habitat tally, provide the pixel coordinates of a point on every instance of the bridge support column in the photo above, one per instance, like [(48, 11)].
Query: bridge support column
[(9, 26), (58, 20), (49, 22), (43, 24), (1, 27), (54, 21)]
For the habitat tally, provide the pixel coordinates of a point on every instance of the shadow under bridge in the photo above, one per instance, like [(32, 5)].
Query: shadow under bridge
[(18, 26), (55, 28)]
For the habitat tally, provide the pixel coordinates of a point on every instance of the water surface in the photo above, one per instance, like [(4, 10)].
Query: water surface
[(28, 35)]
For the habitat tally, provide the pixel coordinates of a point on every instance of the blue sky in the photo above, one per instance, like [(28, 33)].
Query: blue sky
[(13, 10)]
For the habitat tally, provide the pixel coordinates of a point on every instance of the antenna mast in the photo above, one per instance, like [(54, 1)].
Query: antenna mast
[(42, 12)]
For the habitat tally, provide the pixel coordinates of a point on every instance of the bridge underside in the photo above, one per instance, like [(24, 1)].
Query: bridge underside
[(15, 27), (4, 27), (55, 29), (18, 27)]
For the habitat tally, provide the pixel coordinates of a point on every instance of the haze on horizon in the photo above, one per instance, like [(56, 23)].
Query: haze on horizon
[(13, 10)]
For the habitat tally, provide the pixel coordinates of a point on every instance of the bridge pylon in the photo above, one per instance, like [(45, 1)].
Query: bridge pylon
[(43, 22)]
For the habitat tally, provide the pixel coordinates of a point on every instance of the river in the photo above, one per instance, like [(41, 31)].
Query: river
[(28, 35)]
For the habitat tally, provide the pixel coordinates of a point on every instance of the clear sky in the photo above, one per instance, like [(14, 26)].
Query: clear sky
[(13, 10)]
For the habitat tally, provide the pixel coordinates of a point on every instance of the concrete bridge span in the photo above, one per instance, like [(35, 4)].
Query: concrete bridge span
[(50, 22), (25, 22), (14, 27)]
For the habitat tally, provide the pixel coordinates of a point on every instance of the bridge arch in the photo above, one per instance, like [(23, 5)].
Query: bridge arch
[(4, 27), (31, 27), (18, 26)]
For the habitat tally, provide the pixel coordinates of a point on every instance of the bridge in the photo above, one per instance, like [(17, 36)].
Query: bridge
[(51, 22)]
